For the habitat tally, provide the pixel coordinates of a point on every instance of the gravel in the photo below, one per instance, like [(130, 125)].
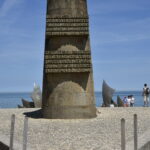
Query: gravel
[(100, 133)]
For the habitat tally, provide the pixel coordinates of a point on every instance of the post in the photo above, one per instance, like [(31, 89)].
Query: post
[(135, 133), (12, 132), (123, 140), (25, 131)]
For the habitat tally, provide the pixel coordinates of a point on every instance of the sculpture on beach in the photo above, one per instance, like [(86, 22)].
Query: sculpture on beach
[(68, 90), (107, 94), (120, 102), (36, 97)]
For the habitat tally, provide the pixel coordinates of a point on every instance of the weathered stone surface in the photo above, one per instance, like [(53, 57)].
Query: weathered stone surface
[(60, 61), (68, 80), (69, 8), (65, 70), (67, 26)]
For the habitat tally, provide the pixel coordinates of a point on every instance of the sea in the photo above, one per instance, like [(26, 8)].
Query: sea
[(12, 100)]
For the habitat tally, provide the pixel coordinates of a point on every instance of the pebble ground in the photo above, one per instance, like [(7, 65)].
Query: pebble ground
[(100, 133)]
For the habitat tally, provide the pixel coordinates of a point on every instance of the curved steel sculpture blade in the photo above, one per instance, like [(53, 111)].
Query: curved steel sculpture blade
[(120, 102), (107, 93)]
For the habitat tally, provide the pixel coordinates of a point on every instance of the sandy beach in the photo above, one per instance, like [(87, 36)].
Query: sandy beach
[(100, 133)]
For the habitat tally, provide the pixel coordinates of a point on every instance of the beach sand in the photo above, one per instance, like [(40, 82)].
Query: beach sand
[(100, 133)]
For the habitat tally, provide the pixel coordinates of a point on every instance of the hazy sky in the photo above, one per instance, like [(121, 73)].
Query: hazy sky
[(120, 41)]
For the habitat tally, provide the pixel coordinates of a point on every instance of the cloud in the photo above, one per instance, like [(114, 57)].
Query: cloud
[(7, 6)]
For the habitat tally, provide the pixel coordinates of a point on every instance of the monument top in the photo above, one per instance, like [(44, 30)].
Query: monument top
[(67, 8)]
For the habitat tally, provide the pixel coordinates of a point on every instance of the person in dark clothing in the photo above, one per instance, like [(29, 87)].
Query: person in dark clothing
[(145, 94)]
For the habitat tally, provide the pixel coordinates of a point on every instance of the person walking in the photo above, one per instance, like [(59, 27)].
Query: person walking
[(145, 94)]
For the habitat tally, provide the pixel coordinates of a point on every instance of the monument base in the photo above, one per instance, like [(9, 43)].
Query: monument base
[(69, 112)]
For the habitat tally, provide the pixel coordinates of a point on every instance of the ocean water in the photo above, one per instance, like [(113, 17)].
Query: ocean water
[(11, 100)]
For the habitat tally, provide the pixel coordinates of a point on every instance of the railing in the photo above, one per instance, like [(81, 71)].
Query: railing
[(123, 135), (135, 135), (12, 131)]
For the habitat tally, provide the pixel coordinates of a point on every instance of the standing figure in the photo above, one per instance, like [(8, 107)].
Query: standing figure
[(145, 94), (129, 101), (132, 101), (125, 101)]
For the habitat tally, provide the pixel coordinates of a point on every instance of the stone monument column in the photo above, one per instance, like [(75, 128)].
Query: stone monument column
[(68, 91)]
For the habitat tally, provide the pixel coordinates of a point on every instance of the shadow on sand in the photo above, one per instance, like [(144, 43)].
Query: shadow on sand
[(34, 114), (3, 146)]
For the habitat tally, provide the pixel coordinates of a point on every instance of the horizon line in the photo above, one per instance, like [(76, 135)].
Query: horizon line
[(1, 92)]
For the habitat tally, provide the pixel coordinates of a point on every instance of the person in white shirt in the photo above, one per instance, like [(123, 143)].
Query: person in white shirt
[(132, 101), (112, 104), (128, 101)]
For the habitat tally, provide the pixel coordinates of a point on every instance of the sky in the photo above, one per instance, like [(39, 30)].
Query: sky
[(119, 34)]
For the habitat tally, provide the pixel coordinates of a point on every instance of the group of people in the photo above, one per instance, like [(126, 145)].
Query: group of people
[(129, 101)]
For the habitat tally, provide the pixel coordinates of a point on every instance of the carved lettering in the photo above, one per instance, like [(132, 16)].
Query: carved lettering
[(50, 24), (66, 33), (67, 20), (59, 29), (82, 52), (67, 70), (67, 26), (78, 61), (68, 61), (57, 66), (67, 56)]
